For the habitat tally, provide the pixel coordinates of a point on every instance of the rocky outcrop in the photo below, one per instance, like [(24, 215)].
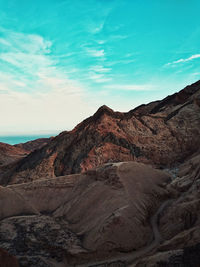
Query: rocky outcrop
[(179, 224), (9, 154), (162, 133), (37, 240), (183, 213), (84, 217)]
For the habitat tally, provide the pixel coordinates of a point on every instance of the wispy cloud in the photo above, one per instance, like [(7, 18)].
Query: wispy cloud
[(32, 85), (95, 28), (99, 74), (99, 77), (27, 64), (196, 74), (95, 53), (95, 24), (119, 37), (120, 61), (182, 60), (17, 41), (131, 87), (129, 55), (100, 69), (101, 42)]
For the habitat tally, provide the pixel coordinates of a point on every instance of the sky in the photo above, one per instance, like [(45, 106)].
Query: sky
[(60, 60)]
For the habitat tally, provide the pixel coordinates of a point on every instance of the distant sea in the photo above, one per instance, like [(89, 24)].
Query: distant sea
[(17, 139)]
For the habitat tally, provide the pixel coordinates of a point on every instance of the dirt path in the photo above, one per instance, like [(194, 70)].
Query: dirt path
[(132, 256)]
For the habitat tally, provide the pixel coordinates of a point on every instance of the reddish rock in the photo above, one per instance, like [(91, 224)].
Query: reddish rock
[(9, 153), (162, 133), (120, 212), (7, 260)]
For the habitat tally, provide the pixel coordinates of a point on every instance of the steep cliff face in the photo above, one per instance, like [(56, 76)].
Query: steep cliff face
[(160, 133)]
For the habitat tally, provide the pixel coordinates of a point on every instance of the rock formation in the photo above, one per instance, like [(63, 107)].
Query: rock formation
[(162, 133), (179, 225), (120, 189)]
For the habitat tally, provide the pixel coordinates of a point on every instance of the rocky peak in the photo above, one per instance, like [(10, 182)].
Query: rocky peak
[(98, 115), (108, 111), (104, 109)]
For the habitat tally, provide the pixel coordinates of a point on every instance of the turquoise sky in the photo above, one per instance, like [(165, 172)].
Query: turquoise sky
[(60, 60)]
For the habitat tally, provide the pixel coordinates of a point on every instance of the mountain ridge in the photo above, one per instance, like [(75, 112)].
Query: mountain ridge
[(153, 133)]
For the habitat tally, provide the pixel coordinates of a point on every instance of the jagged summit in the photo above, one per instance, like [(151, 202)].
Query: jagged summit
[(108, 111), (104, 108)]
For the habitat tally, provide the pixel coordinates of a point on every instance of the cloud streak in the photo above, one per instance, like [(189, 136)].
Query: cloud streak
[(100, 69), (28, 66), (96, 53), (35, 91), (99, 78), (183, 60), (131, 87)]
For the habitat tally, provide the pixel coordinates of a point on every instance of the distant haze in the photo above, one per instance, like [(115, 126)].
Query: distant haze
[(17, 139)]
